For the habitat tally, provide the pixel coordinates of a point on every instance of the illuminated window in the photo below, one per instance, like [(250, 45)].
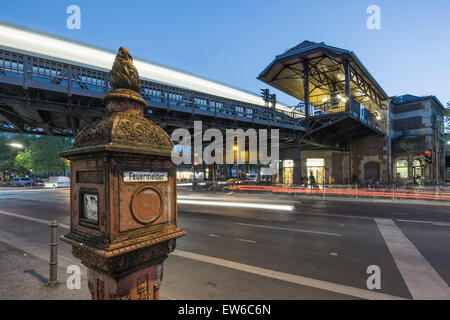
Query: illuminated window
[(402, 169), (315, 162)]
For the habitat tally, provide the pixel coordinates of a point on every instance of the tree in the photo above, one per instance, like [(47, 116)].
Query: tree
[(23, 163), (39, 155), (8, 153), (44, 158)]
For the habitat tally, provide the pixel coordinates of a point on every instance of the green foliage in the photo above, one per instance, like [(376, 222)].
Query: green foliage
[(7, 153), (39, 155)]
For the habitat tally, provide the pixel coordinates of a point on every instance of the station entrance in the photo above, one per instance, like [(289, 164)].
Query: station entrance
[(316, 168)]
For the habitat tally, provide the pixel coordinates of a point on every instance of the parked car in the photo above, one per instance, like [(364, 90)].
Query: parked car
[(21, 182), (3, 183), (57, 182), (39, 183)]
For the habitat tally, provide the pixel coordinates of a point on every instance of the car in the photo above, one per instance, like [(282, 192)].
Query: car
[(21, 182), (57, 182), (38, 183), (4, 183)]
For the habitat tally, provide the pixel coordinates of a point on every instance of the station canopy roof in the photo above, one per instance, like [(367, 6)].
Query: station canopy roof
[(326, 74)]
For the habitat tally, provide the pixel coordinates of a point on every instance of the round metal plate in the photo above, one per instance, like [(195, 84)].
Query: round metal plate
[(146, 205)]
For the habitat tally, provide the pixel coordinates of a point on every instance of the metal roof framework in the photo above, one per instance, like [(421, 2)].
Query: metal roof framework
[(326, 70)]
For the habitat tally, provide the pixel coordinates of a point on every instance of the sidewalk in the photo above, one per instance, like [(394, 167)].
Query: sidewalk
[(23, 277)]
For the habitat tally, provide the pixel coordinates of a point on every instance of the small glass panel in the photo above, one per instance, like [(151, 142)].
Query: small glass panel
[(90, 207)]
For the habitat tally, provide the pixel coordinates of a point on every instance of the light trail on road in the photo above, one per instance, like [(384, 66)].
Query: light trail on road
[(264, 206), (382, 193)]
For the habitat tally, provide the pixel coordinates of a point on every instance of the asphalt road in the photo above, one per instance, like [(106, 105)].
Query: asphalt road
[(317, 249)]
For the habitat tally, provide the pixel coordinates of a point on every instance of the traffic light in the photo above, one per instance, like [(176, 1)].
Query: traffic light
[(273, 99), (428, 156), (265, 94)]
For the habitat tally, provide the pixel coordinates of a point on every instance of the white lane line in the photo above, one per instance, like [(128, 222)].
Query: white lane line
[(213, 235), (436, 223), (47, 222), (239, 205), (335, 215), (31, 190), (421, 279), (244, 240), (288, 229), (309, 282)]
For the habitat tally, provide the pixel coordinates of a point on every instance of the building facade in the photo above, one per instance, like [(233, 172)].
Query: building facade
[(418, 139)]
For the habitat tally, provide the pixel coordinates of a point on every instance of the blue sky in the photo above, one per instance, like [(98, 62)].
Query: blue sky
[(233, 41)]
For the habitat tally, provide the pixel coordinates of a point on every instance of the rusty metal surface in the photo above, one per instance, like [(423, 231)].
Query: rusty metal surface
[(122, 227)]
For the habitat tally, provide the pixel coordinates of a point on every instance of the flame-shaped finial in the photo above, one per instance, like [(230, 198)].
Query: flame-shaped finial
[(124, 74), (125, 83)]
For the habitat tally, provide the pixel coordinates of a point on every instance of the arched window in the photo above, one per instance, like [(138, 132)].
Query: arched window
[(416, 163), (401, 169)]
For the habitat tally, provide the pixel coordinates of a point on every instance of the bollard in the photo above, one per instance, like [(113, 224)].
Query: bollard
[(53, 254)]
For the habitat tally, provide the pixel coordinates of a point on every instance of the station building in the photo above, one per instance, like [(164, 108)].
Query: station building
[(354, 131)]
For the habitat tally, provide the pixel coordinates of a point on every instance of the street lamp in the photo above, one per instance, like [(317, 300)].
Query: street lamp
[(16, 145)]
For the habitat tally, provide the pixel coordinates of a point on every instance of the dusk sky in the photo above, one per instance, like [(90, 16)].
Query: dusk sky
[(233, 41)]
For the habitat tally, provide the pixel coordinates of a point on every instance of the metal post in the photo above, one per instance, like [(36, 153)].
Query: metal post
[(53, 254), (348, 104), (306, 90)]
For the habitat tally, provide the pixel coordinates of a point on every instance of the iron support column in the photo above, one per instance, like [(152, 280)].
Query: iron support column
[(306, 90), (347, 86)]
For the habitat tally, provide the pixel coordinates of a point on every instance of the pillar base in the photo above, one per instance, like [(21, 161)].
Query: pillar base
[(143, 284), (132, 275)]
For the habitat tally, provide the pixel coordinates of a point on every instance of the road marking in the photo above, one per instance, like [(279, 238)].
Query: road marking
[(244, 240), (436, 223), (334, 254), (32, 190), (421, 279), (237, 239), (288, 229), (213, 235), (318, 284), (47, 222), (335, 215), (238, 205)]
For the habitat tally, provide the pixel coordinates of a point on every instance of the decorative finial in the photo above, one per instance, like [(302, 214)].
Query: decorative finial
[(124, 74), (125, 82)]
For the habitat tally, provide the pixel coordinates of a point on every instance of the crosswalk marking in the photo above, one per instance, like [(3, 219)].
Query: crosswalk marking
[(422, 280)]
